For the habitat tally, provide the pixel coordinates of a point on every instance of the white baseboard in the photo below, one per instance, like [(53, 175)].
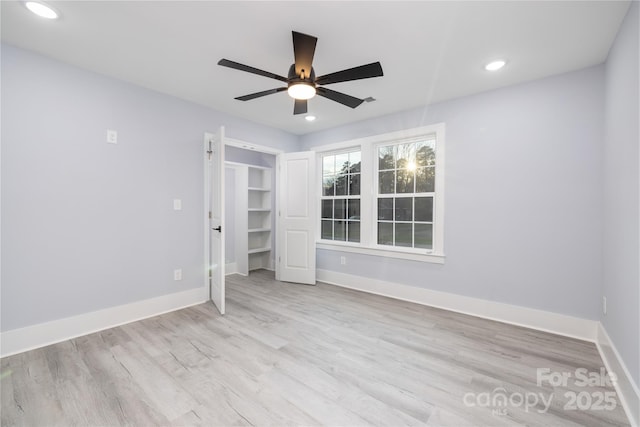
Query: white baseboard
[(43, 334), (627, 389), (230, 268), (555, 323)]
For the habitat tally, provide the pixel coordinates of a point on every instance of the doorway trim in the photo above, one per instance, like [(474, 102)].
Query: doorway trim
[(232, 142)]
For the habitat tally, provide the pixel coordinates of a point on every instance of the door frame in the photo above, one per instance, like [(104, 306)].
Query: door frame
[(232, 142)]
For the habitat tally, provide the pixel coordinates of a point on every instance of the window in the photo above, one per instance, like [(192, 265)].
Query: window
[(405, 192), (341, 196), (383, 195)]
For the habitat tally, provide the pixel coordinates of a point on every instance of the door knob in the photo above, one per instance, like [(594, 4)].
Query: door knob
[(218, 229)]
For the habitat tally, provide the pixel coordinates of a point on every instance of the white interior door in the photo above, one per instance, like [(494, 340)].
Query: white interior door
[(214, 176), (296, 245)]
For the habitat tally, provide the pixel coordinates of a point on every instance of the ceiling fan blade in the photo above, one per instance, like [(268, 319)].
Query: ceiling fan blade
[(342, 98), (304, 46), (357, 73), (259, 94), (248, 69), (300, 107)]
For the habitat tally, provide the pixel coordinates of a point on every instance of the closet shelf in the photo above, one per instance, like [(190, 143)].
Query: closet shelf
[(258, 250), (258, 189), (258, 230), (259, 209)]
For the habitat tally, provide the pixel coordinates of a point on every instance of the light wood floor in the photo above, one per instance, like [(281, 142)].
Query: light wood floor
[(288, 354)]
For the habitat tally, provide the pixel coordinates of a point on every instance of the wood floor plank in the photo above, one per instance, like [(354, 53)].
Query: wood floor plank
[(292, 355)]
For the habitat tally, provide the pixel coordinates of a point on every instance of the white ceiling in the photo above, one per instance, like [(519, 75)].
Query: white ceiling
[(430, 51)]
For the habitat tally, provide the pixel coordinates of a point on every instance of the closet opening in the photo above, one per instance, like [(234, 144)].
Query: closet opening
[(250, 210)]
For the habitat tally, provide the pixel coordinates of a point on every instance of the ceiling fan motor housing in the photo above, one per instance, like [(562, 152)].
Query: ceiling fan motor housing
[(308, 78)]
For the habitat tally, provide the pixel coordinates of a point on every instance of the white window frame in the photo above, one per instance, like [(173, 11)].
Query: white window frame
[(368, 196), (346, 197)]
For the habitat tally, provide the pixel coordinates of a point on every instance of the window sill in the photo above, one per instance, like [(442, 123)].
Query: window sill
[(386, 252)]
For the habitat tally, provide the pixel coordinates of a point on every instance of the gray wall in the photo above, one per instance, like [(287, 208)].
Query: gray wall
[(621, 283), (87, 225), (523, 195)]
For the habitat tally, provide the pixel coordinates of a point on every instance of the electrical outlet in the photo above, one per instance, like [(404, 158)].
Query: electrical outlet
[(604, 305), (112, 136), (343, 260), (177, 204), (177, 274)]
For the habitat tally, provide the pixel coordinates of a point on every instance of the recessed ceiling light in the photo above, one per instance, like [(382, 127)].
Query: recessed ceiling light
[(495, 65), (41, 9), (309, 118)]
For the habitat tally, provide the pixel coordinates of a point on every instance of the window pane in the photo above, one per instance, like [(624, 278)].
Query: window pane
[(327, 209), (385, 158), (406, 156), (340, 230), (385, 209), (424, 209), (341, 177), (327, 230), (423, 236), (385, 233), (426, 154), (328, 165), (340, 209), (425, 180), (403, 235), (404, 183), (385, 182), (342, 163), (354, 231), (354, 184), (353, 211), (327, 186), (404, 209), (341, 185), (354, 161)]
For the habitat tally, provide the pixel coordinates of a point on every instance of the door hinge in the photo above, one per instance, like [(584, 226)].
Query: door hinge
[(279, 259), (210, 151), (210, 215)]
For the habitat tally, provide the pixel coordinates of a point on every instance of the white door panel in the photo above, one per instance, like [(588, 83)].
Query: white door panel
[(299, 258), (296, 248), (215, 172)]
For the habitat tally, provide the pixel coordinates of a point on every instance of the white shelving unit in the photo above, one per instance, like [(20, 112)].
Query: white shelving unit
[(259, 217), (253, 233)]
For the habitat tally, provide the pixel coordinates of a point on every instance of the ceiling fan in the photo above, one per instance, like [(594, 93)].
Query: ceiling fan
[(302, 83)]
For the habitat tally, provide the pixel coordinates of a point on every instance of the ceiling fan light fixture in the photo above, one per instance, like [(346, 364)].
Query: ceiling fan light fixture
[(41, 9), (302, 90)]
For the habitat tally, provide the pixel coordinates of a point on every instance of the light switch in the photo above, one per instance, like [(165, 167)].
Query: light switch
[(112, 136), (177, 204)]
